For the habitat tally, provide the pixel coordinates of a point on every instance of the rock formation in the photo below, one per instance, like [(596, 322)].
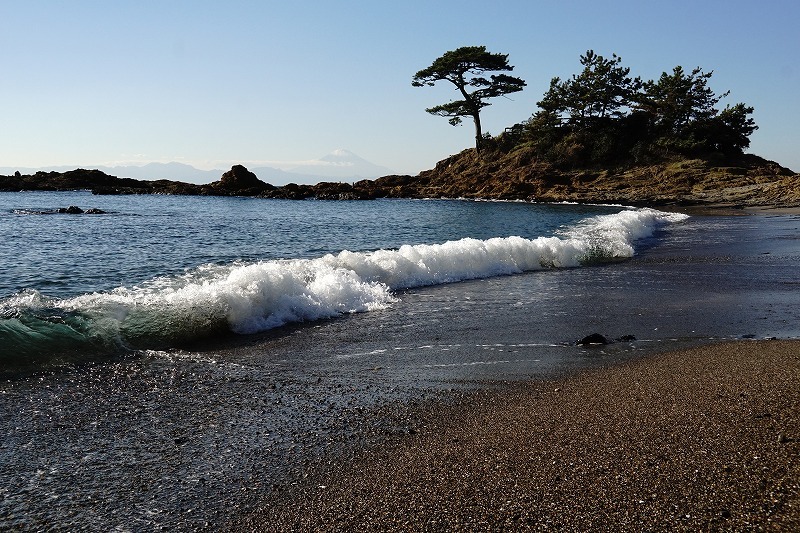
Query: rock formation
[(715, 180), (239, 181)]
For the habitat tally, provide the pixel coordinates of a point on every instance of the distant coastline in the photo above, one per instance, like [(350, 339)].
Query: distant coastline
[(713, 181)]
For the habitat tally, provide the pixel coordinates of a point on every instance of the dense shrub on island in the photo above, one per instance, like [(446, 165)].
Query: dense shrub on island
[(603, 116)]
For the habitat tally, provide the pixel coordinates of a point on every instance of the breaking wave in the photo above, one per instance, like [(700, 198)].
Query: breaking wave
[(251, 297)]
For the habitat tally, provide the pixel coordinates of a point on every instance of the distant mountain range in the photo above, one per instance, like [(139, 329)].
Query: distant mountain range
[(339, 165)]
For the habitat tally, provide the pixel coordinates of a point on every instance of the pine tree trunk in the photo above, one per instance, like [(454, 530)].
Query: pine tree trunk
[(478, 133)]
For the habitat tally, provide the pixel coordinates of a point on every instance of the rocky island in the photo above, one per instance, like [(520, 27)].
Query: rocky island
[(714, 180), (601, 136)]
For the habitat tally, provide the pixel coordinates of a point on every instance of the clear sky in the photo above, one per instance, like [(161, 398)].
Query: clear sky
[(213, 83)]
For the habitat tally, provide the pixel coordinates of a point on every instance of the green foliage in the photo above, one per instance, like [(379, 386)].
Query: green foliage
[(734, 128), (603, 116), (602, 90), (681, 107), (466, 68)]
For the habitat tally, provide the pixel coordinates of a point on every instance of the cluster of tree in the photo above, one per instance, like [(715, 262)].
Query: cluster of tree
[(601, 115), (604, 115)]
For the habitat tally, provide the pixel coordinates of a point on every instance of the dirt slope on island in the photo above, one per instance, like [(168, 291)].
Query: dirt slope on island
[(745, 180)]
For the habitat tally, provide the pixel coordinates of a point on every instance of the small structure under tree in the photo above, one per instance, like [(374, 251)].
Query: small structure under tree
[(466, 67)]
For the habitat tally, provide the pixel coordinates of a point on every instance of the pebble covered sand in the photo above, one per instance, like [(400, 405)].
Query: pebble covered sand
[(706, 439)]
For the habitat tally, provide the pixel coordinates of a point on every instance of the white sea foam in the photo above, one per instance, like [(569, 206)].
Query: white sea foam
[(251, 297)]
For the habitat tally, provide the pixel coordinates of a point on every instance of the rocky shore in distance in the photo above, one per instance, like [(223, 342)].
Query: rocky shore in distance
[(714, 181), (238, 181), (730, 181)]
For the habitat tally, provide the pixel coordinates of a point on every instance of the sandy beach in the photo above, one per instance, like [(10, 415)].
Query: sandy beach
[(702, 439)]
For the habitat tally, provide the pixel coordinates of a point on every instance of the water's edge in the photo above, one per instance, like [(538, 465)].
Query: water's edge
[(183, 438)]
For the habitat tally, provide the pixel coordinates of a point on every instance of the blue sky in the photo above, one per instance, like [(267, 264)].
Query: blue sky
[(217, 83)]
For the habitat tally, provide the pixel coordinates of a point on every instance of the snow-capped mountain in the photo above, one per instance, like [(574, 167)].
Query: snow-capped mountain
[(342, 164)]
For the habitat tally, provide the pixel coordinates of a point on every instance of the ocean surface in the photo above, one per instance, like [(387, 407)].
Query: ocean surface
[(153, 272), (172, 362)]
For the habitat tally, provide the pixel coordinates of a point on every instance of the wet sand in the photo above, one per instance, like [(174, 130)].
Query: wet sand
[(702, 439)]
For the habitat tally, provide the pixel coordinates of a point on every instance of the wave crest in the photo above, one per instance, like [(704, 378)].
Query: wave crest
[(253, 297)]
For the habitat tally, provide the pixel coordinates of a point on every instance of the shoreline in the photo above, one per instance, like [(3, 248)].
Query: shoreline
[(194, 439), (698, 208), (241, 183), (704, 438), (699, 182)]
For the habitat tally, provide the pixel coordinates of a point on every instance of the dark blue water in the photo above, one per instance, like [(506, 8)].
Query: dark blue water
[(145, 236)]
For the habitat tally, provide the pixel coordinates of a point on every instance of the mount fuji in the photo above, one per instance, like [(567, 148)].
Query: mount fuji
[(342, 164)]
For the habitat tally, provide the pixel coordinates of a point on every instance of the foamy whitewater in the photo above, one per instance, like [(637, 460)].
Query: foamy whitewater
[(252, 296)]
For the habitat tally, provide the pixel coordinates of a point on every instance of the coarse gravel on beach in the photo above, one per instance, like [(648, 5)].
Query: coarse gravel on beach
[(706, 439)]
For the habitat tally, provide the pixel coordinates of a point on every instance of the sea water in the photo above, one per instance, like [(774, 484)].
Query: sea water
[(157, 271)]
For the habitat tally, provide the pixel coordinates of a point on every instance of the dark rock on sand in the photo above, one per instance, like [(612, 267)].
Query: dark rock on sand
[(593, 339)]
